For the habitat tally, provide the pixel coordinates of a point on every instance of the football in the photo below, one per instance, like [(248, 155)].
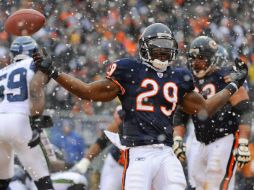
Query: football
[(24, 22)]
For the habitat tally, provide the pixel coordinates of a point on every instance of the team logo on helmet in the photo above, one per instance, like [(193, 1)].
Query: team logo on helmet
[(213, 44)]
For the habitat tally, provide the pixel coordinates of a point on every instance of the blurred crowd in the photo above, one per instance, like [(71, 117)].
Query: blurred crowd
[(84, 34)]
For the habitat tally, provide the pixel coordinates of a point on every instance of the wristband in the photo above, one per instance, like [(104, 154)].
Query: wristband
[(232, 88), (54, 73), (34, 121), (102, 142)]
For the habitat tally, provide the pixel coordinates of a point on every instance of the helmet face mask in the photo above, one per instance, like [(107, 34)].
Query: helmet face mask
[(222, 57), (157, 47), (23, 47), (201, 56), (199, 66)]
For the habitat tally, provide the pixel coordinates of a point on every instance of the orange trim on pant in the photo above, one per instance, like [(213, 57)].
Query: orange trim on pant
[(230, 165), (126, 164), (121, 159)]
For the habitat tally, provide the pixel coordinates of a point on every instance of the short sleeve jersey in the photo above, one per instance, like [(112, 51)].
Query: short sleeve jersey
[(223, 122), (14, 86), (149, 99)]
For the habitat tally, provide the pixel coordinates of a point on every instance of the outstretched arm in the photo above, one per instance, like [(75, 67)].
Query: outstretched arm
[(194, 103), (102, 90)]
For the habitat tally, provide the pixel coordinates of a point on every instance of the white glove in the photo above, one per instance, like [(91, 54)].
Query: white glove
[(179, 148), (242, 154), (81, 166)]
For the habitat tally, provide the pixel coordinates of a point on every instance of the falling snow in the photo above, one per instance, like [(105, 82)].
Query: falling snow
[(86, 37)]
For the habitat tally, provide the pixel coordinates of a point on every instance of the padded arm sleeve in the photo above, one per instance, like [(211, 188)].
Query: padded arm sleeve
[(102, 141)]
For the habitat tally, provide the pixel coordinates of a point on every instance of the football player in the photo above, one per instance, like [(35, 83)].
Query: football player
[(113, 165), (62, 180), (16, 105), (221, 141), (149, 91)]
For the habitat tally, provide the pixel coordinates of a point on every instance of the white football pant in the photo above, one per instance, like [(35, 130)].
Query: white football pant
[(190, 146), (111, 174), (15, 133), (152, 167), (211, 167)]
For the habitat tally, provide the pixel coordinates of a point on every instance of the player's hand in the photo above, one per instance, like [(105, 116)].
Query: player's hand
[(82, 166), (45, 63), (179, 148), (242, 154), (41, 121), (240, 74), (35, 137), (38, 122)]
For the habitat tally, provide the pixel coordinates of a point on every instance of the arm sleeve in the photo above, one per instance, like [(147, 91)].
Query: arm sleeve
[(118, 72)]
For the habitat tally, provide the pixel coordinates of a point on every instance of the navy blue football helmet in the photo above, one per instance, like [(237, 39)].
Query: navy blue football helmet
[(202, 55), (157, 47)]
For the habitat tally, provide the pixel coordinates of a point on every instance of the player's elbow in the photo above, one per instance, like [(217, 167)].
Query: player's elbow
[(204, 110), (204, 114)]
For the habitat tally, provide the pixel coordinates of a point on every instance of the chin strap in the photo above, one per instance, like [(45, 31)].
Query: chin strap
[(148, 64), (161, 65), (154, 64)]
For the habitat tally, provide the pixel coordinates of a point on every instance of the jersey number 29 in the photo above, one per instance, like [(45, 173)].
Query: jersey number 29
[(170, 97)]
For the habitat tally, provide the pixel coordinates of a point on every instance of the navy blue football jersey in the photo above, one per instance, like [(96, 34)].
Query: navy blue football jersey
[(149, 99), (223, 122)]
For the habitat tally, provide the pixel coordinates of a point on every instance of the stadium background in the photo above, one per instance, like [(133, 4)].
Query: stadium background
[(83, 34)]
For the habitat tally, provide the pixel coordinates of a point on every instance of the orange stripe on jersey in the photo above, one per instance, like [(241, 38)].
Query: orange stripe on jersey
[(230, 166), (118, 84), (126, 164)]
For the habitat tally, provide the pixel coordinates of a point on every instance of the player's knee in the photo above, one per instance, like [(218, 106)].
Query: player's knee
[(44, 183), (4, 183), (214, 166), (213, 180)]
